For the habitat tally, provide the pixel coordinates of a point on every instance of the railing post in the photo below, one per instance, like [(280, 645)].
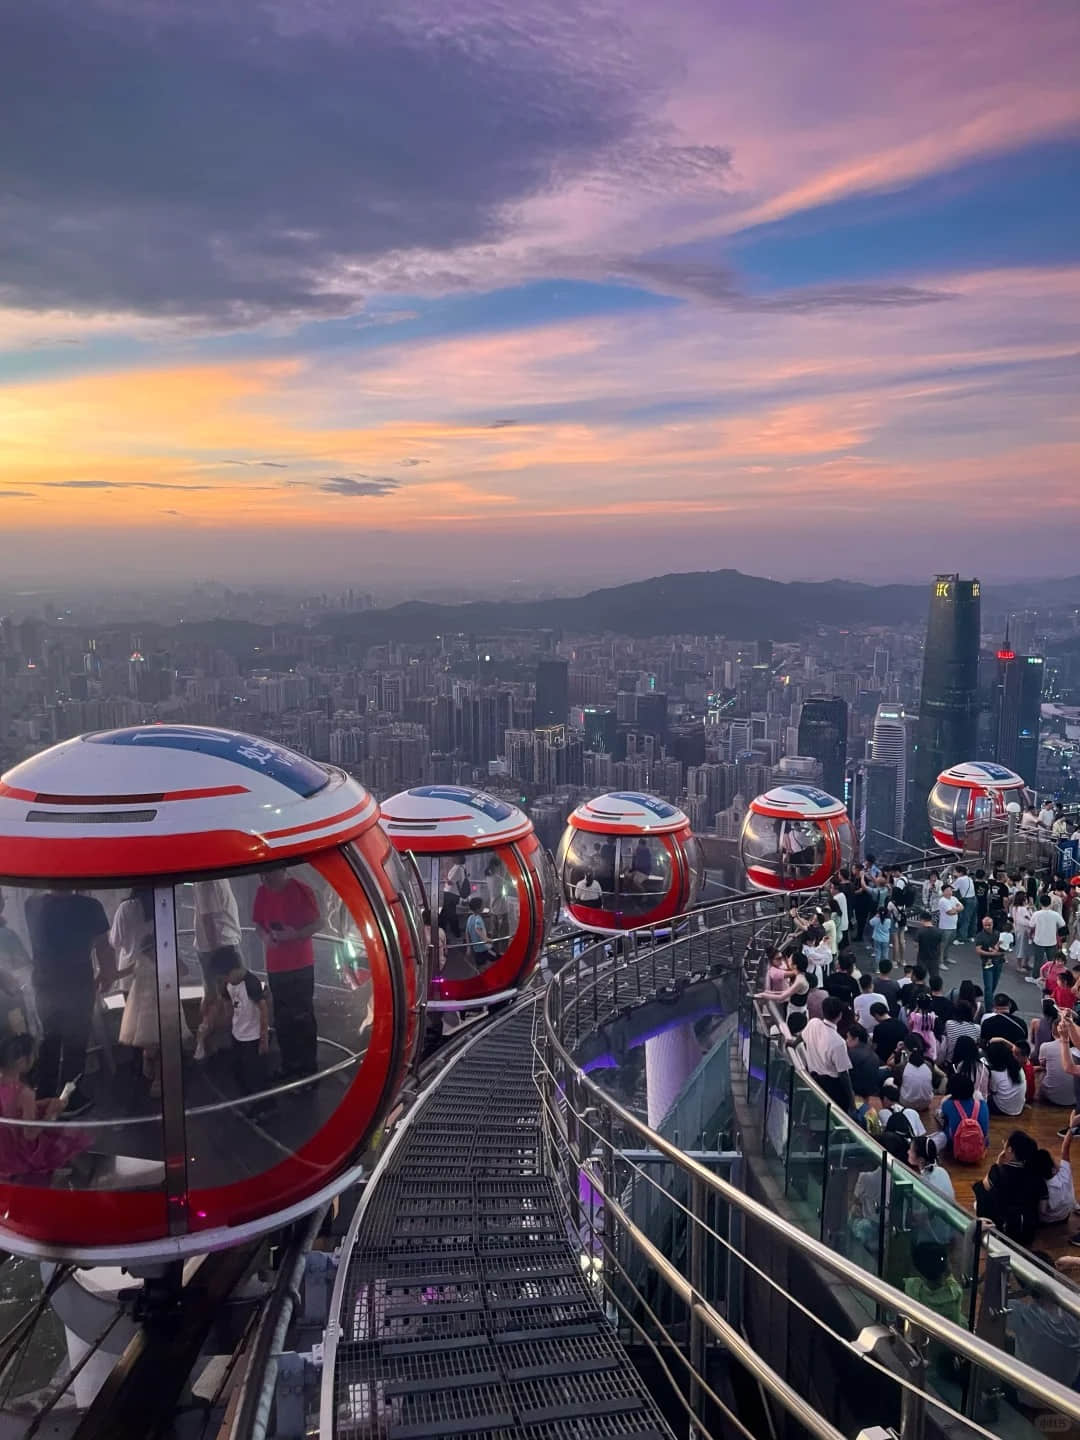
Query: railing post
[(765, 1087), (696, 1257), (825, 1173), (993, 1319), (913, 1401), (573, 1147)]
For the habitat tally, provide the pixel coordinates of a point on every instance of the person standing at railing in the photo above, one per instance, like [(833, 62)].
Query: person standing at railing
[(827, 1056)]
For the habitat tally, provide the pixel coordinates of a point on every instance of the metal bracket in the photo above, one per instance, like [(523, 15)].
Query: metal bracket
[(290, 1409)]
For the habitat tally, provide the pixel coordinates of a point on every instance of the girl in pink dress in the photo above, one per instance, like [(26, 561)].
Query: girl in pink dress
[(29, 1155)]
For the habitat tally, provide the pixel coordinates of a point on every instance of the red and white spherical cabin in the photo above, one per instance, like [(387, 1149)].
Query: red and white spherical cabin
[(626, 860), (794, 837), (469, 845), (968, 799), (183, 857)]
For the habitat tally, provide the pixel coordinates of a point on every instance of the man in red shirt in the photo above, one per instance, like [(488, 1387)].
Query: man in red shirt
[(286, 915)]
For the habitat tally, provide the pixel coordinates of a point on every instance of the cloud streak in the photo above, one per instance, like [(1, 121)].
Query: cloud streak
[(359, 485)]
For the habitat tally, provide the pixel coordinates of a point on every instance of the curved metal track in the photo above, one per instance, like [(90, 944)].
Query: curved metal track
[(462, 1307)]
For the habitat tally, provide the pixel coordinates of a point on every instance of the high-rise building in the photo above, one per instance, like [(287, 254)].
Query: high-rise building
[(875, 810), (601, 728), (823, 731), (651, 714), (552, 693), (1017, 710), (947, 731), (889, 746)]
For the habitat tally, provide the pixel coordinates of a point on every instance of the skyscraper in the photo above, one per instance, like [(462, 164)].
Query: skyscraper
[(552, 693), (875, 814), (948, 710), (601, 728), (1017, 710), (888, 746), (823, 727)]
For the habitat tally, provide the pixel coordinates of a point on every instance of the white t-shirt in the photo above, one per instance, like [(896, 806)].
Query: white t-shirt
[(862, 1009), (947, 915), (1056, 1082), (841, 900), (588, 892), (1060, 1195), (939, 1179), (963, 887), (246, 1019), (1005, 941), (913, 1117), (217, 918), (1008, 1095), (820, 958), (130, 933), (1048, 925), (917, 1086)]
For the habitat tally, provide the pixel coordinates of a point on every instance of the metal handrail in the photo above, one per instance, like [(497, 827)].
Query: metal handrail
[(1066, 1295), (971, 1347)]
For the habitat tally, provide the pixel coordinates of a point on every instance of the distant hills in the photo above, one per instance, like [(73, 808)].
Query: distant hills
[(709, 602), (726, 602)]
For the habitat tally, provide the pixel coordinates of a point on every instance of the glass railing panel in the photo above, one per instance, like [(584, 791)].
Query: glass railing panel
[(855, 1195), (930, 1246), (804, 1170), (776, 1108)]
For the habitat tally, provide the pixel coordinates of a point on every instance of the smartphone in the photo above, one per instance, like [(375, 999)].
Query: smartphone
[(69, 1090)]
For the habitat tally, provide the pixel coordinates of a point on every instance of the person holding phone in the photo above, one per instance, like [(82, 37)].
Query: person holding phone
[(27, 1152)]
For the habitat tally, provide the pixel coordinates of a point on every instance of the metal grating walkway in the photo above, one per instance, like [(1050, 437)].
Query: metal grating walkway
[(464, 1311)]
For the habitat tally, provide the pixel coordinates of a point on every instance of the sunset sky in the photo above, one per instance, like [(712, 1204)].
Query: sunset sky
[(515, 288)]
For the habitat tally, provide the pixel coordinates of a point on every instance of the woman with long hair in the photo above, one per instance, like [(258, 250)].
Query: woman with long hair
[(1008, 1089), (917, 1078), (967, 1060)]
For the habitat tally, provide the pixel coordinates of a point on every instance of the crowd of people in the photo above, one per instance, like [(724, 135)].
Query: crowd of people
[(922, 1065)]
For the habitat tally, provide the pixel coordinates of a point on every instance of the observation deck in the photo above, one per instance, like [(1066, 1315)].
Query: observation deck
[(533, 1257)]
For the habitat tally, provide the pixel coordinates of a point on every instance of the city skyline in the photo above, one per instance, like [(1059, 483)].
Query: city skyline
[(438, 291)]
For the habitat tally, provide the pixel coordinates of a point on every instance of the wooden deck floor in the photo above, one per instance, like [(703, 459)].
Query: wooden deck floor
[(1042, 1122)]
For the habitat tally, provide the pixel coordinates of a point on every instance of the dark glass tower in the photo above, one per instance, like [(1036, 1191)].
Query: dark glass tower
[(601, 728), (1017, 702), (823, 727), (947, 731), (552, 693)]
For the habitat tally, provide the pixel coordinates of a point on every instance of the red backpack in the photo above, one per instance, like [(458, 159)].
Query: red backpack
[(968, 1142)]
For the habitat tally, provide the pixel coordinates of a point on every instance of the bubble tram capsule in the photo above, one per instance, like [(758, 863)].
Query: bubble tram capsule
[(477, 856), (209, 971), (794, 837), (626, 860), (967, 799)]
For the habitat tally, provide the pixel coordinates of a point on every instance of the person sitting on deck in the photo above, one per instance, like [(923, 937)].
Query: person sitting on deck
[(1013, 1189), (961, 1104)]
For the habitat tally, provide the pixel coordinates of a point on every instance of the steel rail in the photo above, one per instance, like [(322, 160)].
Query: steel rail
[(970, 1346)]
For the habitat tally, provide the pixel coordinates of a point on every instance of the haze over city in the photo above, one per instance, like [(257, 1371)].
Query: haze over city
[(426, 293)]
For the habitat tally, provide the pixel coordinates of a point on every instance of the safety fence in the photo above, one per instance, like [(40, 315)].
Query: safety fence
[(782, 1284)]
